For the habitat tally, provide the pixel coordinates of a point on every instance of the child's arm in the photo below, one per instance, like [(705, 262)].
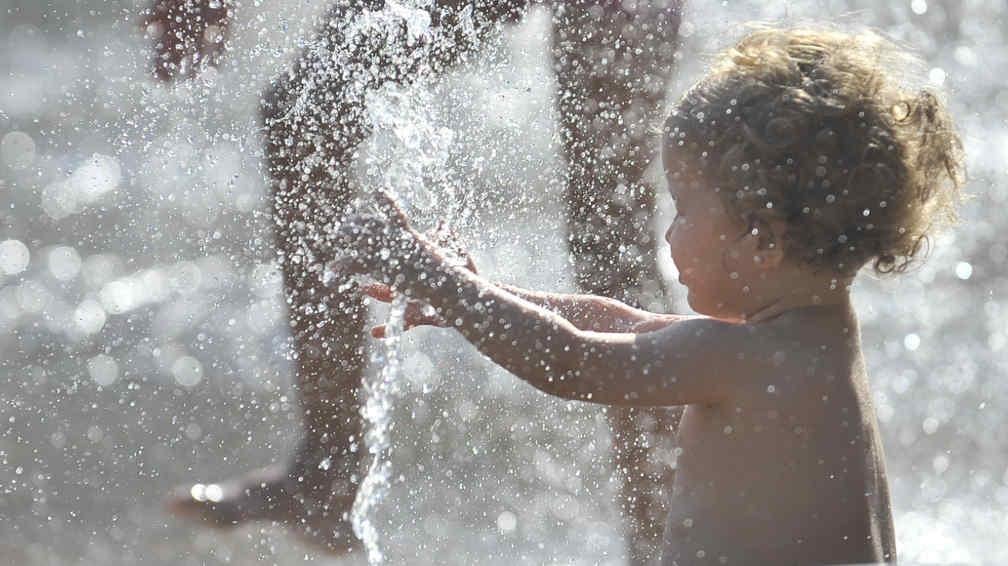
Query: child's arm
[(585, 312), (595, 313), (692, 361), (695, 360)]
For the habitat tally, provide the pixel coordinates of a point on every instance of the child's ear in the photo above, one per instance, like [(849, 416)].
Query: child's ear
[(764, 243)]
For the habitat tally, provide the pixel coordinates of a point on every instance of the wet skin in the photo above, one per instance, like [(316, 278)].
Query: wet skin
[(781, 459), (788, 468)]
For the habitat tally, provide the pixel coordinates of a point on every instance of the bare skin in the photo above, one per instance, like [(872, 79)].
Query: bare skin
[(610, 87), (781, 458)]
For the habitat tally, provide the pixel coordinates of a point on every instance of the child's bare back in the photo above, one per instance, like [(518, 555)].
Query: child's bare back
[(791, 470)]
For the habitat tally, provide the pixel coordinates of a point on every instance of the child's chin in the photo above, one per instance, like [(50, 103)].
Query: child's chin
[(703, 305), (698, 304)]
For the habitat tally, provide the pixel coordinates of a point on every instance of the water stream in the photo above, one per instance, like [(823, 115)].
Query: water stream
[(407, 155), (380, 394)]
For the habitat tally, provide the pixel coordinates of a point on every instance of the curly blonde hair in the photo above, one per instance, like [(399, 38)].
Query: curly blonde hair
[(812, 127)]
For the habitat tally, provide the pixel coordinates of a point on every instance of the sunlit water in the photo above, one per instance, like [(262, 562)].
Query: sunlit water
[(381, 392), (144, 341)]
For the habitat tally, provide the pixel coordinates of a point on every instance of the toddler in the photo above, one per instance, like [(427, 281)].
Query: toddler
[(798, 159)]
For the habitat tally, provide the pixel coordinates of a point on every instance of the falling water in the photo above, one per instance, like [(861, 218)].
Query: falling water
[(380, 392), (406, 154)]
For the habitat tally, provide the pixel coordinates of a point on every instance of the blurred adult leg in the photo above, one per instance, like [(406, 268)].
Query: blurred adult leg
[(613, 62), (315, 117)]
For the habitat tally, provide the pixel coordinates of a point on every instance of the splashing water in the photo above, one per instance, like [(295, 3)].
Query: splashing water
[(377, 411), (406, 154)]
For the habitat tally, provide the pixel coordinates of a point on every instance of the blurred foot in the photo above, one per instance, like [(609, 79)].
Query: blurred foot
[(310, 502)]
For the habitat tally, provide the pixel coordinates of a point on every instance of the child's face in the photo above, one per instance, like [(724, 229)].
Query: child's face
[(708, 249)]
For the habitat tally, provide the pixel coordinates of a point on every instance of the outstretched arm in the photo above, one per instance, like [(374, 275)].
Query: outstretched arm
[(691, 361), (585, 312), (595, 313)]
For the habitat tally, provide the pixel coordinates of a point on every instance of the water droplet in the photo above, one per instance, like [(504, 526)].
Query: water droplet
[(911, 341), (214, 493), (14, 257), (103, 369), (64, 263), (187, 370), (937, 76), (17, 150), (507, 522), (89, 316), (198, 492)]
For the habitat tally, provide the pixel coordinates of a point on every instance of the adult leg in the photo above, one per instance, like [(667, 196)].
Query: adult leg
[(613, 62), (315, 118)]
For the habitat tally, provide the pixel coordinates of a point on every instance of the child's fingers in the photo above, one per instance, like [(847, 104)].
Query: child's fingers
[(470, 264), (413, 317), (388, 205), (417, 317), (378, 291), (347, 264)]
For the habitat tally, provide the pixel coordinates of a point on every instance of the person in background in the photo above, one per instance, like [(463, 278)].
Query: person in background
[(613, 62)]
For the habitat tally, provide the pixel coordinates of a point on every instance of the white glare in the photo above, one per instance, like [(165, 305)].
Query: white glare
[(188, 371), (507, 522), (64, 263), (963, 270), (17, 150), (89, 316), (95, 177), (14, 257), (911, 342), (103, 369)]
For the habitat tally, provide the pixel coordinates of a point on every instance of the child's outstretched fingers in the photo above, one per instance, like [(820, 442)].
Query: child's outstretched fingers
[(443, 235), (378, 292), (360, 241), (417, 314), (390, 207)]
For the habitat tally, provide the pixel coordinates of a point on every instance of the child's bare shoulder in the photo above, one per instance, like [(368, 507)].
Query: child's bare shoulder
[(797, 358)]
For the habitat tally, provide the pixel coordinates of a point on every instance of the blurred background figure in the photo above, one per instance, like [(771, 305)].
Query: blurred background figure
[(613, 63)]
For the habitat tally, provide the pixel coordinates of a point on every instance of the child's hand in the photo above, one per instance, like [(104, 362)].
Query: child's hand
[(382, 245), (417, 312)]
